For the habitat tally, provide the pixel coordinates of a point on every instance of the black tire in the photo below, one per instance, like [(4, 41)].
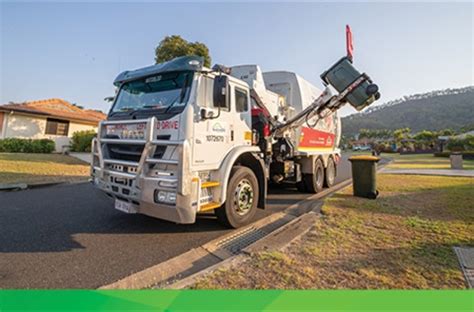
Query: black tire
[(301, 186), (314, 182), (243, 184), (330, 173)]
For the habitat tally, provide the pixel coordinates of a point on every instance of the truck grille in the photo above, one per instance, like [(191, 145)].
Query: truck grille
[(133, 152), (125, 152)]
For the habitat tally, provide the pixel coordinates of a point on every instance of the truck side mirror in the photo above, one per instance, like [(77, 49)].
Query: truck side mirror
[(221, 85), (207, 113)]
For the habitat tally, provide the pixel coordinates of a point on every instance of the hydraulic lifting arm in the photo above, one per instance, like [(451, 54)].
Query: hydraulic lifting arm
[(324, 105)]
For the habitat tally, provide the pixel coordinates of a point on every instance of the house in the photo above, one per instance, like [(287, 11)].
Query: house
[(54, 119)]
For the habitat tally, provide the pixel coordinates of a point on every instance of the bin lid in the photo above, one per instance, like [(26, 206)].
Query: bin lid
[(364, 158)]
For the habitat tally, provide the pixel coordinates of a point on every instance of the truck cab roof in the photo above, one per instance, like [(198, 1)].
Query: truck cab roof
[(184, 63)]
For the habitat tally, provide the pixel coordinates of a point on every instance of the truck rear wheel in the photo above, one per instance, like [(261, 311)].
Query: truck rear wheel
[(314, 182), (241, 200), (301, 186), (330, 173)]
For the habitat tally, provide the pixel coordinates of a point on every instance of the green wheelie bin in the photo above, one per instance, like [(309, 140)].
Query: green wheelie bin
[(364, 173), (342, 74)]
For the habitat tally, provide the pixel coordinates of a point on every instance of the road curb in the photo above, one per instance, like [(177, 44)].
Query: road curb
[(272, 232), (25, 186), (431, 173), (277, 240), (173, 272), (13, 187)]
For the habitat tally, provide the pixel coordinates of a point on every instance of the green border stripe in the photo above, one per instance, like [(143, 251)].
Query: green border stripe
[(236, 300)]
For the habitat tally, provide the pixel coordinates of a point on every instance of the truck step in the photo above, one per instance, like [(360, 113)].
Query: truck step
[(209, 206), (210, 184)]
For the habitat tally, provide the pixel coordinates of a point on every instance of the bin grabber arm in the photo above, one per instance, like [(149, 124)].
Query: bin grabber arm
[(338, 101), (326, 103)]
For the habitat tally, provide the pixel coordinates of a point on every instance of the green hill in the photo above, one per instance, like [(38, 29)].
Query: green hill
[(450, 108)]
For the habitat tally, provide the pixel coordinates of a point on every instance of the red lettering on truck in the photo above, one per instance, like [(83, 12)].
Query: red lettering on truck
[(167, 124), (313, 138)]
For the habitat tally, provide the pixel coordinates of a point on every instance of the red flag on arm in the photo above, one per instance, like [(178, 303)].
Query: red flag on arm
[(349, 46)]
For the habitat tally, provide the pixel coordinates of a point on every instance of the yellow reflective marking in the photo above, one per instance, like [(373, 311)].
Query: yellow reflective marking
[(248, 136)]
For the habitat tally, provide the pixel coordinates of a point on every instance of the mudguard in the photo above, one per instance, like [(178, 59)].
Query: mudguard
[(223, 174)]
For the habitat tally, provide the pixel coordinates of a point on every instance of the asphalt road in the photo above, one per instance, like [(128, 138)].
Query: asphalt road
[(70, 236)]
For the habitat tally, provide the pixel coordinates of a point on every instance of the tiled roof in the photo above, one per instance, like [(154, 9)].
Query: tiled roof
[(55, 108)]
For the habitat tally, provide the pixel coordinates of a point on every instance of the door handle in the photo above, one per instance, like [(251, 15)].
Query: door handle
[(232, 135)]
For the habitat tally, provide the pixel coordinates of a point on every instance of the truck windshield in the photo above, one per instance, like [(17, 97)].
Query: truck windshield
[(157, 93)]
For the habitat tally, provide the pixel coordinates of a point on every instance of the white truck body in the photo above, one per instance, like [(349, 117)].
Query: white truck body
[(181, 139), (324, 137), (286, 94)]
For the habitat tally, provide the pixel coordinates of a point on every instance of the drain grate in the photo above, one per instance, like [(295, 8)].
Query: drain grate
[(275, 225), (235, 243), (466, 259), (240, 240)]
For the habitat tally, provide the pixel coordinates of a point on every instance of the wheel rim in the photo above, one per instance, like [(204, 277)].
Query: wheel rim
[(243, 197), (330, 172), (319, 177)]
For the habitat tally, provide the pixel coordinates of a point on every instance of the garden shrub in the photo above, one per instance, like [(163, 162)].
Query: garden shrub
[(465, 154), (465, 144), (81, 141), (14, 145)]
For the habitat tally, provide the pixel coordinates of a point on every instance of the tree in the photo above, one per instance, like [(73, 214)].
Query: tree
[(364, 133), (401, 134), (425, 136), (467, 128), (175, 46), (446, 132)]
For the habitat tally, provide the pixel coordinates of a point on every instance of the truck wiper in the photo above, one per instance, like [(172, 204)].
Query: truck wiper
[(127, 109), (123, 110), (152, 106)]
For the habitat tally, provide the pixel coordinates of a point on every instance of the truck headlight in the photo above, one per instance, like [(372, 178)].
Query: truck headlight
[(165, 197)]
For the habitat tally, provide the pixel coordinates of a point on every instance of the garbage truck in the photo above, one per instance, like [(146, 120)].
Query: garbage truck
[(182, 139)]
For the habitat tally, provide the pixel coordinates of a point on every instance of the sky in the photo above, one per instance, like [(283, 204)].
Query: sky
[(74, 51)]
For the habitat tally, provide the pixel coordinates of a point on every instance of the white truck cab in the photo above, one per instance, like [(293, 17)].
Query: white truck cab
[(181, 139)]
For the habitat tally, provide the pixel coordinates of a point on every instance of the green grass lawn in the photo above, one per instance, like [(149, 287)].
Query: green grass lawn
[(40, 168), (403, 239), (423, 161)]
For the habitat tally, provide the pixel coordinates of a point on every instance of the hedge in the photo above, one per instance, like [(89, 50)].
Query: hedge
[(13, 145), (465, 144), (81, 140), (465, 154)]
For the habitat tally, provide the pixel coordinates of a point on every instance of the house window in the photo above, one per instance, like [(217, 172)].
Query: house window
[(57, 127)]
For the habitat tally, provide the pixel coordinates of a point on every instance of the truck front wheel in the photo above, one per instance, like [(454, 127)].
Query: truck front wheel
[(241, 200)]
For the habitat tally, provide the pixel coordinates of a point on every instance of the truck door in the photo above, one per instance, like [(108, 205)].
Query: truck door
[(242, 119), (212, 136)]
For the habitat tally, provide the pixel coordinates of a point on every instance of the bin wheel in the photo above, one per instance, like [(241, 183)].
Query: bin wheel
[(330, 173), (241, 198), (314, 182), (373, 195)]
